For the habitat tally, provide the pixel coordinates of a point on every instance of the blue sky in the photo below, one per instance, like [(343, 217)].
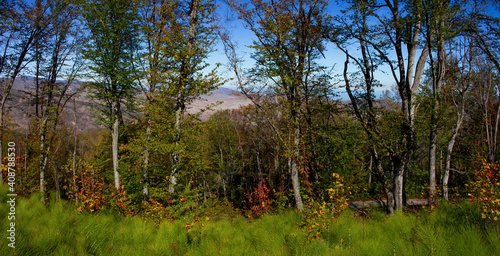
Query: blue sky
[(334, 58)]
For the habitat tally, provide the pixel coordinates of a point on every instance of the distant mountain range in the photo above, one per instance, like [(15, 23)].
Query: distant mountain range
[(20, 109), (230, 100)]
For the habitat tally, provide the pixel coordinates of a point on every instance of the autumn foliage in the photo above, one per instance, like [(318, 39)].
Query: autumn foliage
[(486, 190), (338, 194), (259, 201), (317, 214), (92, 193)]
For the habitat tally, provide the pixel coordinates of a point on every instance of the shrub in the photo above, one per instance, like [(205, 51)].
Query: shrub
[(486, 190), (259, 201), (338, 194)]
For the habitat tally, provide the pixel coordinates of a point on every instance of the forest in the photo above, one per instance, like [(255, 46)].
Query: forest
[(419, 119)]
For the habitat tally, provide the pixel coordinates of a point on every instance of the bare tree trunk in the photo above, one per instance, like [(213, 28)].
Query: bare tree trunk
[(390, 198), (175, 154), (114, 136), (449, 151), (145, 174), (398, 184), (370, 170), (432, 160), (2, 106), (75, 134), (43, 156), (414, 79), (294, 171)]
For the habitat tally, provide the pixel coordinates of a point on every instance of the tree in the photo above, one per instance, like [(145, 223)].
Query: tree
[(152, 24), (63, 63), (394, 25), (112, 51), (457, 81), (355, 29), (485, 91), (186, 40), (440, 19), (487, 34), (487, 30), (19, 27), (289, 41)]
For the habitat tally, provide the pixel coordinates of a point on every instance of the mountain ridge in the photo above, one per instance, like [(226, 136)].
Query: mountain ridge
[(20, 107)]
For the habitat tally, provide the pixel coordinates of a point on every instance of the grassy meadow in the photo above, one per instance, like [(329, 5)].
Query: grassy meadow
[(60, 230)]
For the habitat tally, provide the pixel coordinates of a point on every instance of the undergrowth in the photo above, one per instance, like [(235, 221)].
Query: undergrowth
[(60, 230)]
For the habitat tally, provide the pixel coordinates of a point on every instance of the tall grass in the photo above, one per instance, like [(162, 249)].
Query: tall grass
[(448, 230), (59, 230)]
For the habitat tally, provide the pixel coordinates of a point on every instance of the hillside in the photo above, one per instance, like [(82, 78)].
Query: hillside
[(21, 108)]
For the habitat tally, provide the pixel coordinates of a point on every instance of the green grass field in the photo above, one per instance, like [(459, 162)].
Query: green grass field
[(60, 230)]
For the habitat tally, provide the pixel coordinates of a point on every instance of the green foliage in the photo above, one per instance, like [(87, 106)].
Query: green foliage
[(185, 43), (112, 51), (240, 162)]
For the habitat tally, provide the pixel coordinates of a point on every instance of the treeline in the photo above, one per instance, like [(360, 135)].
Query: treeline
[(426, 138)]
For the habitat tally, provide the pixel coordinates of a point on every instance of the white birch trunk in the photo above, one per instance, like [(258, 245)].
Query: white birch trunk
[(43, 157), (398, 186), (145, 174), (175, 154), (114, 136), (449, 151), (75, 134), (294, 171)]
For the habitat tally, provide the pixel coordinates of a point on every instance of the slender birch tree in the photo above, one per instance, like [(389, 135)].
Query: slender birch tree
[(458, 81)]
